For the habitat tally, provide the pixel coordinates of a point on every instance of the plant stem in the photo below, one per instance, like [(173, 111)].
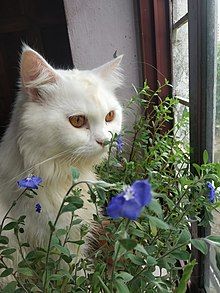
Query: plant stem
[(11, 207), (52, 231), (162, 256), (14, 275), (116, 257)]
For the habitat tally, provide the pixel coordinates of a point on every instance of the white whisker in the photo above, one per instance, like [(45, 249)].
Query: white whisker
[(30, 170)]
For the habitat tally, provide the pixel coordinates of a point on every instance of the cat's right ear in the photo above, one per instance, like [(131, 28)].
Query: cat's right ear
[(35, 72), (111, 72)]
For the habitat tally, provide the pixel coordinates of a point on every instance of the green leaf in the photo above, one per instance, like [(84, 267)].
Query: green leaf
[(103, 184), (121, 286), (10, 287), (76, 222), (60, 232), (200, 245), (155, 207), (80, 280), (26, 272), (78, 242), (4, 239), (55, 277), (29, 195), (52, 228), (21, 219), (137, 232), (10, 226), (141, 249), (66, 258), (214, 239), (103, 284), (62, 249), (125, 276), (153, 228), (184, 237), (8, 251), (25, 244), (197, 167), (217, 257), (158, 223), (69, 208), (120, 249), (128, 244), (55, 240), (74, 204), (187, 272), (75, 174), (151, 261), (136, 259), (205, 157), (181, 254), (211, 177), (6, 272)]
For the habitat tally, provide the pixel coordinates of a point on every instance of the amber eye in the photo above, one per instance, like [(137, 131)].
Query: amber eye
[(110, 116), (78, 120)]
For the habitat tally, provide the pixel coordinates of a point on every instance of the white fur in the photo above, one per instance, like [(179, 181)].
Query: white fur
[(40, 139)]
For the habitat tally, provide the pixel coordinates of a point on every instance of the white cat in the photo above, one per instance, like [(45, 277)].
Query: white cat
[(60, 119)]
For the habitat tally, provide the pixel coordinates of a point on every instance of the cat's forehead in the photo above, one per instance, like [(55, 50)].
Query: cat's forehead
[(84, 92)]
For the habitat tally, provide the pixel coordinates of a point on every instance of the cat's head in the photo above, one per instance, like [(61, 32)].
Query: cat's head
[(67, 111)]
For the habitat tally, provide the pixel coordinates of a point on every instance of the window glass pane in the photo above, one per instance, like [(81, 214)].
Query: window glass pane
[(181, 62), (180, 8), (182, 117)]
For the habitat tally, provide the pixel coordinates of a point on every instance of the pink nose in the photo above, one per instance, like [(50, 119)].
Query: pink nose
[(100, 142)]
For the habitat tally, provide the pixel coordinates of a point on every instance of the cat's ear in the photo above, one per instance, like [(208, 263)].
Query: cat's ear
[(35, 72), (111, 72)]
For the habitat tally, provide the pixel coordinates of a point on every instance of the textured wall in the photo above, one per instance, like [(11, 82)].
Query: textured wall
[(99, 27)]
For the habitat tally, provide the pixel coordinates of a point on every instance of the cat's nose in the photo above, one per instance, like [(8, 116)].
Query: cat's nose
[(100, 142)]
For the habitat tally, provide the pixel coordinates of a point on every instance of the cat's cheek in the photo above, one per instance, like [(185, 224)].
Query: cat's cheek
[(114, 127)]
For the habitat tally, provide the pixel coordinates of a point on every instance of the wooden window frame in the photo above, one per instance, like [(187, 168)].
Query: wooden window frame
[(155, 28), (202, 76)]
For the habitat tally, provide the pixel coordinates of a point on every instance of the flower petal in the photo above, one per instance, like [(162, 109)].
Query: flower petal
[(36, 180), (211, 192), (131, 209), (38, 208), (29, 182), (142, 192), (120, 143), (115, 206)]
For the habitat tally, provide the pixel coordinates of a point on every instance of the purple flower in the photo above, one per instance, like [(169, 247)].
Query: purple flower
[(211, 194), (120, 143), (130, 202), (38, 208), (30, 182)]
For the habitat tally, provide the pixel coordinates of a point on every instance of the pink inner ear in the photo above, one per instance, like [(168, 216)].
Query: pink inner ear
[(33, 66)]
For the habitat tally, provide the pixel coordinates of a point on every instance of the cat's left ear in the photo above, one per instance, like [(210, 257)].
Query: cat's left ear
[(111, 72)]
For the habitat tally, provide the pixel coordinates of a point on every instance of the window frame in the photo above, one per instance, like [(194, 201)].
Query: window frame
[(156, 30), (202, 78)]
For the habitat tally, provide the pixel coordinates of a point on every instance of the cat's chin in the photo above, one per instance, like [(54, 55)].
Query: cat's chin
[(91, 158), (98, 154)]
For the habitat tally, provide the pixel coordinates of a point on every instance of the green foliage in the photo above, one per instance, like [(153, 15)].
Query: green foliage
[(146, 254), (186, 276)]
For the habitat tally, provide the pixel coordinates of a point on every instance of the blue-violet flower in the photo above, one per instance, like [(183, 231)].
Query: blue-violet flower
[(130, 202), (30, 182), (120, 143), (38, 208), (211, 194)]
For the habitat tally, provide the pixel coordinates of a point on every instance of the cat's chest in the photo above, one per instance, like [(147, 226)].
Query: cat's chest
[(51, 197)]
